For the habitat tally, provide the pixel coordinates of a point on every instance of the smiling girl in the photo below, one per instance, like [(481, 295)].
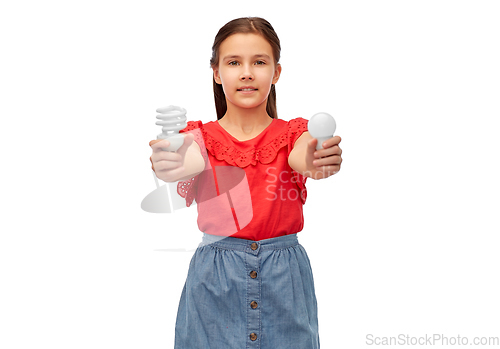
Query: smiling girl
[(250, 283)]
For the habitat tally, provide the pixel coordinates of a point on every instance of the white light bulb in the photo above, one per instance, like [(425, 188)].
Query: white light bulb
[(322, 127), (172, 119)]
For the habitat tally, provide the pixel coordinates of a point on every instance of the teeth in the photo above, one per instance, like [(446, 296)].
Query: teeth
[(248, 89)]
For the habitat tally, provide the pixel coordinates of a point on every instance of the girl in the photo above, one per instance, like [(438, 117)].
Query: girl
[(250, 283)]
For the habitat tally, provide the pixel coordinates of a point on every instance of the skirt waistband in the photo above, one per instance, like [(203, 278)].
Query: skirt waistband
[(237, 244)]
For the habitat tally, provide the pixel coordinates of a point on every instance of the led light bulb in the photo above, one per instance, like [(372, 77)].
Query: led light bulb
[(322, 127), (172, 119)]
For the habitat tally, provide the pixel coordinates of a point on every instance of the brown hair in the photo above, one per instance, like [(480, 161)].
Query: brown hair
[(245, 25)]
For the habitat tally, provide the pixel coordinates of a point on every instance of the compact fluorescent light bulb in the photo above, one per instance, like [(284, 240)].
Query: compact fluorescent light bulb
[(172, 119), (322, 127)]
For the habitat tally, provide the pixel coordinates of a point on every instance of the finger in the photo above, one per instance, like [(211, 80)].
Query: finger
[(327, 161), (331, 142), (163, 166), (329, 170), (154, 141), (168, 176), (335, 150), (166, 156), (311, 144), (157, 144)]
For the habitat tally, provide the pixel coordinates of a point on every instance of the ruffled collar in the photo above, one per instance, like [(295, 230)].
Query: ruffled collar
[(263, 148)]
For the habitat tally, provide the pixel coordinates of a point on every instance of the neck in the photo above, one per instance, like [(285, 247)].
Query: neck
[(246, 119)]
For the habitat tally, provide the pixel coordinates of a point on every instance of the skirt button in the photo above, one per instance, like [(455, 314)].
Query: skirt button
[(253, 336), (254, 246)]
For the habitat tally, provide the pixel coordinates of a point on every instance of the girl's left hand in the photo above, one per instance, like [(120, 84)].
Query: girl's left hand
[(326, 161)]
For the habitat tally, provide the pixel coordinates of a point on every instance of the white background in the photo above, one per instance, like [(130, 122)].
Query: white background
[(404, 240)]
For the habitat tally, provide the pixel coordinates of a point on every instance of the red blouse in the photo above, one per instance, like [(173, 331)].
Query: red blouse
[(247, 189)]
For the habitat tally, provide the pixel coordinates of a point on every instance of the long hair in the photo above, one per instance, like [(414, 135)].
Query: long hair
[(245, 25)]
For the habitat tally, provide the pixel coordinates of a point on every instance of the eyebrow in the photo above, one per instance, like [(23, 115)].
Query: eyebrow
[(261, 55)]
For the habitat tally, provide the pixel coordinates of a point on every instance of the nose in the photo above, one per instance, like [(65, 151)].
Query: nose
[(246, 74)]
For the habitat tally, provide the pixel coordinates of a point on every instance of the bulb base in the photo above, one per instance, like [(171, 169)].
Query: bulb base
[(176, 141)]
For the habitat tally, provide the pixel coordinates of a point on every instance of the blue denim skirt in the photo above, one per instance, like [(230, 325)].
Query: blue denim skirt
[(248, 294)]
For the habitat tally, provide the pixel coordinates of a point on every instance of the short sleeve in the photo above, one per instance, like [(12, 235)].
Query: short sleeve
[(187, 188), (296, 127)]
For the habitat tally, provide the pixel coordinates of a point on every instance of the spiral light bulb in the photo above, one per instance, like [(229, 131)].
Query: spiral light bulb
[(322, 127), (172, 119)]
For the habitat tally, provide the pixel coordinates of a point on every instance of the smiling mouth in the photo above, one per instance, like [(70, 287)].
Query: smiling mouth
[(246, 89)]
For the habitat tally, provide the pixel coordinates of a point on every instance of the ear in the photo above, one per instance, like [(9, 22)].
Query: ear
[(277, 73), (217, 76)]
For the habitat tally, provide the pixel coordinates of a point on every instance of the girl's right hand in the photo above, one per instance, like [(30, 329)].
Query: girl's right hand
[(169, 166)]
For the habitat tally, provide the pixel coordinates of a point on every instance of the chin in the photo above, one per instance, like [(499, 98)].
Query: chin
[(249, 105)]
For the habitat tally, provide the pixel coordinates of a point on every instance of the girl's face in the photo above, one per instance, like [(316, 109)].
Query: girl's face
[(246, 70)]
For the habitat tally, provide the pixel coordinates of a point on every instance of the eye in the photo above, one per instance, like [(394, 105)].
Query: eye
[(260, 62), (233, 63)]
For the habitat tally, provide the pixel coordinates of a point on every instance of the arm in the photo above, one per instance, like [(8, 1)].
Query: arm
[(305, 159)]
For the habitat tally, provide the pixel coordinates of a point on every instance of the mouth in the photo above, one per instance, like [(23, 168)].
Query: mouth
[(247, 89)]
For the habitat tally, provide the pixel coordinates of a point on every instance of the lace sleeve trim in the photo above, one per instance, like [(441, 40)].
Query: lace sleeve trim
[(186, 189)]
